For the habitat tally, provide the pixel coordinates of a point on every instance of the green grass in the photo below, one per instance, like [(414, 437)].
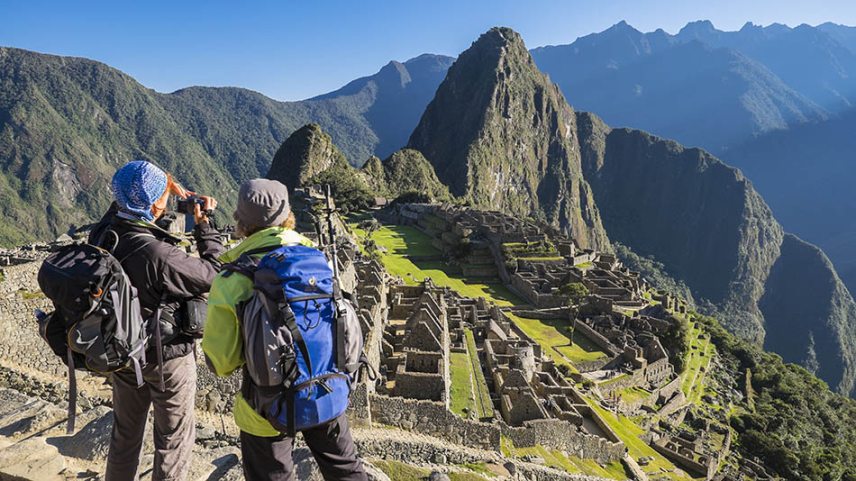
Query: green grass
[(568, 463), (632, 394), (552, 335), (398, 471), (629, 434), (483, 403), (462, 399), (614, 380), (585, 265), (404, 246), (401, 472), (480, 468), (699, 354)]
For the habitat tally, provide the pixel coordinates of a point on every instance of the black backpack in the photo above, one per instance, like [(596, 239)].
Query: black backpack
[(97, 321)]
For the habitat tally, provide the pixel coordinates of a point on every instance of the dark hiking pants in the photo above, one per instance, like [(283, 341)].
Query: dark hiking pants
[(269, 459), (174, 420)]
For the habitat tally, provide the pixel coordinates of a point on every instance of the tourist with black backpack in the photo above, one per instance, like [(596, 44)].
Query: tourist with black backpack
[(276, 313), (129, 304)]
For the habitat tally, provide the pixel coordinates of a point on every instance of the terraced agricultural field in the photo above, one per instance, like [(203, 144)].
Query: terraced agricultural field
[(403, 250)]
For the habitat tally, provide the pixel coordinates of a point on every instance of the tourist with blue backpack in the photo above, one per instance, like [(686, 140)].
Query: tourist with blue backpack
[(275, 313)]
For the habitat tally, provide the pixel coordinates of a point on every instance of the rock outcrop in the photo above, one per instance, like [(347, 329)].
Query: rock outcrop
[(502, 137), (304, 154), (405, 171)]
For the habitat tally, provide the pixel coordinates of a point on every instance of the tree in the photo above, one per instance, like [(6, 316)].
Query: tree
[(576, 291)]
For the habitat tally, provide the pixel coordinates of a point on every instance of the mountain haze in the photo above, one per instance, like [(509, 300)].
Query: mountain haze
[(680, 87)]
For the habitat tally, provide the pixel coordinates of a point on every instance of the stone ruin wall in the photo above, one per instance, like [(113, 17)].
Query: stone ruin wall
[(433, 419)]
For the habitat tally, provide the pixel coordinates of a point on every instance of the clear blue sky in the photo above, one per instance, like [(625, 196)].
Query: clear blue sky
[(291, 50)]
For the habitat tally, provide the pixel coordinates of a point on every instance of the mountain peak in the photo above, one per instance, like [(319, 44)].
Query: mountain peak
[(623, 27), (697, 29), (493, 101), (305, 153)]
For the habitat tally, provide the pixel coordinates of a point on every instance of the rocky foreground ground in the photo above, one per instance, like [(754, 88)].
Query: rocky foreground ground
[(34, 446)]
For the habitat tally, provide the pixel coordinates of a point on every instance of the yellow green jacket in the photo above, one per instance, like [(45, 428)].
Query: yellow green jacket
[(222, 341)]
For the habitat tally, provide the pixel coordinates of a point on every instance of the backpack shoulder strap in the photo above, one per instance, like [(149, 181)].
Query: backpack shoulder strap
[(140, 245), (246, 264)]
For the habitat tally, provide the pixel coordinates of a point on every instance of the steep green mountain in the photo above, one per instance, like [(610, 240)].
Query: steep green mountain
[(712, 231), (700, 220), (67, 123), (697, 216), (309, 156), (404, 171), (686, 90), (501, 136), (824, 346), (304, 154)]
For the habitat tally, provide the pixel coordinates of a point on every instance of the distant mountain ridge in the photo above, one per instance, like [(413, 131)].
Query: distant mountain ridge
[(757, 79), (67, 123)]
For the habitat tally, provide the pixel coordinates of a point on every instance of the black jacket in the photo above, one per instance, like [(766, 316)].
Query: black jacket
[(160, 270)]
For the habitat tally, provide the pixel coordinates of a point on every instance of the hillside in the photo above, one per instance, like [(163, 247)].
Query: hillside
[(682, 207), (500, 135), (819, 159), (67, 123), (711, 230)]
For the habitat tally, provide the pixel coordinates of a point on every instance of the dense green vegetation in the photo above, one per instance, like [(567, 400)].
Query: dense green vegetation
[(67, 123), (798, 426)]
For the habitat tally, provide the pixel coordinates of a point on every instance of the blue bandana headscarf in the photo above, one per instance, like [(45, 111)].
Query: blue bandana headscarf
[(137, 186)]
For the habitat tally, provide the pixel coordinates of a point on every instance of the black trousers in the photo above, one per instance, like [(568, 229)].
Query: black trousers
[(270, 459)]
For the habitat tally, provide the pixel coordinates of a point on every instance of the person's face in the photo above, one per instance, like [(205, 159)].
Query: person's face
[(159, 207)]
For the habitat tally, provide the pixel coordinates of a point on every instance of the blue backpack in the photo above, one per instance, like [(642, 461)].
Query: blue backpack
[(303, 344)]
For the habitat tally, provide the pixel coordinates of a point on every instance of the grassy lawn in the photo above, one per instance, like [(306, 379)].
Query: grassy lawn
[(629, 433), (462, 384), (569, 463), (633, 394), (484, 406), (404, 246), (398, 471), (700, 352), (553, 336)]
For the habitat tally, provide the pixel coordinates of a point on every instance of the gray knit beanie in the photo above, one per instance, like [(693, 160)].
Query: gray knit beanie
[(262, 203)]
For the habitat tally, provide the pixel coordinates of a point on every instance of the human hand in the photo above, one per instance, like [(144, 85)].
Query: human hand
[(200, 212), (177, 189)]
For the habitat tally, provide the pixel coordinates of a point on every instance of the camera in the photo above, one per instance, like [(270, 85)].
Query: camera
[(188, 205)]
